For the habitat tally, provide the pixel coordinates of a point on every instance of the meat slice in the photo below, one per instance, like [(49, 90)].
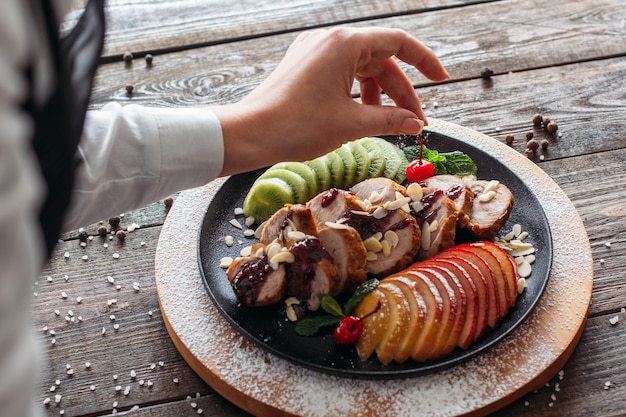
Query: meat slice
[(491, 208), (437, 221), (378, 191), (291, 218), (392, 241), (455, 188), (346, 248), (255, 282), (312, 272), (333, 205)]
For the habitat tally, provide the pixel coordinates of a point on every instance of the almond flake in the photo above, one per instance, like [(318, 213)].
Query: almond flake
[(372, 244), (371, 256), (225, 262), (415, 192), (335, 225), (486, 197), (379, 213), (235, 223), (283, 256)]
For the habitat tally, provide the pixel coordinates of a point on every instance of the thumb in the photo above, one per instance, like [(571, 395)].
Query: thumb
[(388, 120)]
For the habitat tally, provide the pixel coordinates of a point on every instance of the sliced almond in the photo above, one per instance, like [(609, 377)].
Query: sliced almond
[(335, 225), (392, 238), (379, 213), (296, 235), (245, 251), (524, 269), (434, 226), (396, 204), (521, 285), (259, 230), (415, 192), (283, 256), (486, 197), (272, 249), (225, 262), (372, 244), (386, 247), (492, 186), (371, 256)]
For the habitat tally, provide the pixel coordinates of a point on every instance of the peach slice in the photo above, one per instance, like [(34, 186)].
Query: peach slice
[(508, 266), (468, 330), (374, 325), (397, 323), (482, 296), (461, 303), (463, 251), (498, 275), (433, 312), (449, 302), (417, 316)]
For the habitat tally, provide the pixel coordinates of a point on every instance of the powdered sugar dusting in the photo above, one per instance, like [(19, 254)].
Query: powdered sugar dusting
[(264, 378)]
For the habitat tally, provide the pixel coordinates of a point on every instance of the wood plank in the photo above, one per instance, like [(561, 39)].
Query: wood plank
[(581, 389), (139, 26)]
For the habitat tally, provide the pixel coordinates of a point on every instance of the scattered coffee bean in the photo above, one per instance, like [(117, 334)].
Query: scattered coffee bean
[(148, 59), (120, 234), (129, 89), (127, 56), (545, 121), (509, 139), (114, 222), (486, 73), (529, 153), (537, 119), (545, 143), (102, 230), (529, 135), (532, 144), (552, 127), (168, 202)]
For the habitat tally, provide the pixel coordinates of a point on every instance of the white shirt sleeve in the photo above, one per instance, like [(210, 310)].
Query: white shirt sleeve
[(131, 156)]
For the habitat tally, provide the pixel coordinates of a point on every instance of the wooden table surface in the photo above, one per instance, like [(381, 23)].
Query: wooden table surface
[(565, 61)]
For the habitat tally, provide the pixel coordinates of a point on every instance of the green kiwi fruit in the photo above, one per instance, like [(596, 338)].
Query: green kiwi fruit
[(298, 185), (305, 171), (349, 167), (361, 160), (336, 166), (392, 158), (323, 180), (266, 197)]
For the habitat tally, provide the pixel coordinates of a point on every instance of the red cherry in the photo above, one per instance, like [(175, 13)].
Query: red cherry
[(348, 330), (419, 170)]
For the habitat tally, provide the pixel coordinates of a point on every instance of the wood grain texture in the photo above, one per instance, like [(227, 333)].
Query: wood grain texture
[(493, 35), (139, 26)]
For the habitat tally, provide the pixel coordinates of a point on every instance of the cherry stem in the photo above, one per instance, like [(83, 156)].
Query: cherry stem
[(378, 306), (419, 136)]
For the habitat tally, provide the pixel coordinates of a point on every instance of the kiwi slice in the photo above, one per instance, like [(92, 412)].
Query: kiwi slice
[(361, 159), (349, 165), (266, 197), (323, 180), (304, 171), (298, 185), (404, 162), (377, 163), (336, 166), (392, 158)]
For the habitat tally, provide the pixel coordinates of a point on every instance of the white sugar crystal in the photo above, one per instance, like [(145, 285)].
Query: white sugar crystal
[(118, 388), (46, 401), (614, 320), (92, 387), (57, 398), (63, 295), (175, 380), (110, 279), (133, 374), (116, 255), (66, 255), (127, 390)]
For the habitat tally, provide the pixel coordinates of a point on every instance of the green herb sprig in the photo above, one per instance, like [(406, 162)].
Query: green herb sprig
[(309, 326), (453, 163)]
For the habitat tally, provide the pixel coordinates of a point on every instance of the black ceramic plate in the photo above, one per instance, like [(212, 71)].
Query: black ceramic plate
[(269, 328)]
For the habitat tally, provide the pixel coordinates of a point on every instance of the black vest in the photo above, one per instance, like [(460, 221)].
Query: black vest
[(59, 122)]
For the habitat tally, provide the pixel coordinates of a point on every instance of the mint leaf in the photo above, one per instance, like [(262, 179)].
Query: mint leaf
[(311, 325), (360, 293), (330, 305), (453, 163)]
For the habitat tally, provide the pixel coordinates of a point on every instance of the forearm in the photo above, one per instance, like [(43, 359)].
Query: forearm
[(132, 156)]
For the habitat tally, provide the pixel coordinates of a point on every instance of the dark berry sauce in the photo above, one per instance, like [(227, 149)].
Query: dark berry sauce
[(249, 281)]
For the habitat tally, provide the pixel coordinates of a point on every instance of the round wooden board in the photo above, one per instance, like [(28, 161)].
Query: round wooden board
[(266, 385)]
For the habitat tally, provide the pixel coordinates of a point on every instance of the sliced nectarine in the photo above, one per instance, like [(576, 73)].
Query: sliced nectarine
[(397, 323), (508, 266), (374, 325)]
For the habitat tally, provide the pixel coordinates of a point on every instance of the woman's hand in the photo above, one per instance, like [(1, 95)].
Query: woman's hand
[(305, 107)]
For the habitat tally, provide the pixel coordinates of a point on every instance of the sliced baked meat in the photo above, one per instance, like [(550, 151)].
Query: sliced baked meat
[(346, 248), (291, 218), (437, 221), (255, 282), (392, 241), (311, 273), (378, 191), (333, 205), (491, 208), (455, 188)]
